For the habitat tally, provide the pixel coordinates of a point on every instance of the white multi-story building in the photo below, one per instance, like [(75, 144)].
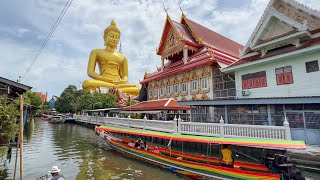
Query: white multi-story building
[(278, 74)]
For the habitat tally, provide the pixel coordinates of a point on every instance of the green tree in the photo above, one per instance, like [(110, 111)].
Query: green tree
[(84, 99), (73, 100), (67, 101), (31, 99), (131, 102), (102, 100), (8, 117), (95, 100)]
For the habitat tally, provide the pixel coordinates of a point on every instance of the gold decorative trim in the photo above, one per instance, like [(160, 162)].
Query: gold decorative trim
[(185, 77), (204, 96), (183, 98), (194, 98), (193, 76), (206, 72)]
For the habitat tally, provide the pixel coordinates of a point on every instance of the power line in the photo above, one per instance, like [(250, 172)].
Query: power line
[(63, 12)]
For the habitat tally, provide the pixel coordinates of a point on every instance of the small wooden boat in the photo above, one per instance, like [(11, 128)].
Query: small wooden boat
[(46, 117), (195, 166)]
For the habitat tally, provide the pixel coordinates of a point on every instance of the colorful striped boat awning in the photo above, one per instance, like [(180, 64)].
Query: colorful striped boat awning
[(258, 143)]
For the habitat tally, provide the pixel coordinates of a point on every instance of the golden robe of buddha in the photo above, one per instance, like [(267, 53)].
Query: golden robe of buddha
[(113, 66)]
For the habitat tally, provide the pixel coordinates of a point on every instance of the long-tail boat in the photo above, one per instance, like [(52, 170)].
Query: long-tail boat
[(200, 167)]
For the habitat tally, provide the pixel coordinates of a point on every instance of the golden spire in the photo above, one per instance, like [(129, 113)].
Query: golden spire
[(112, 27), (182, 13), (165, 9)]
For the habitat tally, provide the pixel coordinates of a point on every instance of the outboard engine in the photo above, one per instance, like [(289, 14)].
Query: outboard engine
[(282, 164)]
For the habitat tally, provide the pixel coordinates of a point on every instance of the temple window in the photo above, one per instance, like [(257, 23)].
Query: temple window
[(150, 94), (175, 89), (183, 87), (254, 80), (284, 75), (161, 91), (168, 90), (155, 92), (312, 66), (204, 83), (194, 86)]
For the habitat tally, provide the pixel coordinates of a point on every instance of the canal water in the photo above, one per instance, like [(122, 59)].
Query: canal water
[(80, 155)]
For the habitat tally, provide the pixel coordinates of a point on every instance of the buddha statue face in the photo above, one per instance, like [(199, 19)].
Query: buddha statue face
[(112, 39)]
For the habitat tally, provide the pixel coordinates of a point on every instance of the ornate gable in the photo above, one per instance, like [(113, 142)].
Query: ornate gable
[(275, 28), (170, 37), (171, 41), (292, 10), (284, 22)]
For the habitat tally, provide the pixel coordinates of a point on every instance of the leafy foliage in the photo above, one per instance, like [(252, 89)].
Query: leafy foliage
[(66, 102), (131, 102), (73, 100), (31, 99), (8, 117)]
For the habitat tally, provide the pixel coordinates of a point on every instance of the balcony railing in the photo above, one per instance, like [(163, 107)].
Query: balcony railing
[(193, 128)]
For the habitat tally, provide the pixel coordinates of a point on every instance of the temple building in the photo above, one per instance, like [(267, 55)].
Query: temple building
[(191, 58), (278, 75)]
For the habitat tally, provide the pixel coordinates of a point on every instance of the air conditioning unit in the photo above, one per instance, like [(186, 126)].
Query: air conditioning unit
[(245, 93)]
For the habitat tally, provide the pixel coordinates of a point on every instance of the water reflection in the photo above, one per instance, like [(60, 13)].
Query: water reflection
[(79, 153)]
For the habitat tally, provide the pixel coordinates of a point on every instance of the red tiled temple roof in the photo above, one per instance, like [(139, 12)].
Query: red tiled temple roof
[(43, 96), (279, 51), (183, 31), (180, 29), (201, 58), (214, 39), (161, 104)]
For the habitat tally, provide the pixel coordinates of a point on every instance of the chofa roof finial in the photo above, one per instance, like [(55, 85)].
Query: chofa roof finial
[(181, 10)]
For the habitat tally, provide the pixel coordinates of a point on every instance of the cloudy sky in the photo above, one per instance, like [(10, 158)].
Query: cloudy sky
[(24, 26)]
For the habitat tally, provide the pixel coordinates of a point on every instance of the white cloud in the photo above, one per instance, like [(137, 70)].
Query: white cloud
[(64, 61)]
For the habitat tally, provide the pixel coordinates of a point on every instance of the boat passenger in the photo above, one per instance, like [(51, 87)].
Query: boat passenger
[(141, 146), (131, 143), (156, 150), (138, 143), (145, 145), (226, 156), (55, 173), (179, 158)]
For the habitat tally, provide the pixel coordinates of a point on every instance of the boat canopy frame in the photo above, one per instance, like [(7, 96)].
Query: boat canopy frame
[(247, 142)]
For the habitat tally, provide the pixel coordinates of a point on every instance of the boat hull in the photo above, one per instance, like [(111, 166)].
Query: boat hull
[(192, 169)]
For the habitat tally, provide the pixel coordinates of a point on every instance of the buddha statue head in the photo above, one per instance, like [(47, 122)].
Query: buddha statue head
[(111, 35)]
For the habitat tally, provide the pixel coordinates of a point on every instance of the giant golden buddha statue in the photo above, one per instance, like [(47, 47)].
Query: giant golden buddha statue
[(113, 66)]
